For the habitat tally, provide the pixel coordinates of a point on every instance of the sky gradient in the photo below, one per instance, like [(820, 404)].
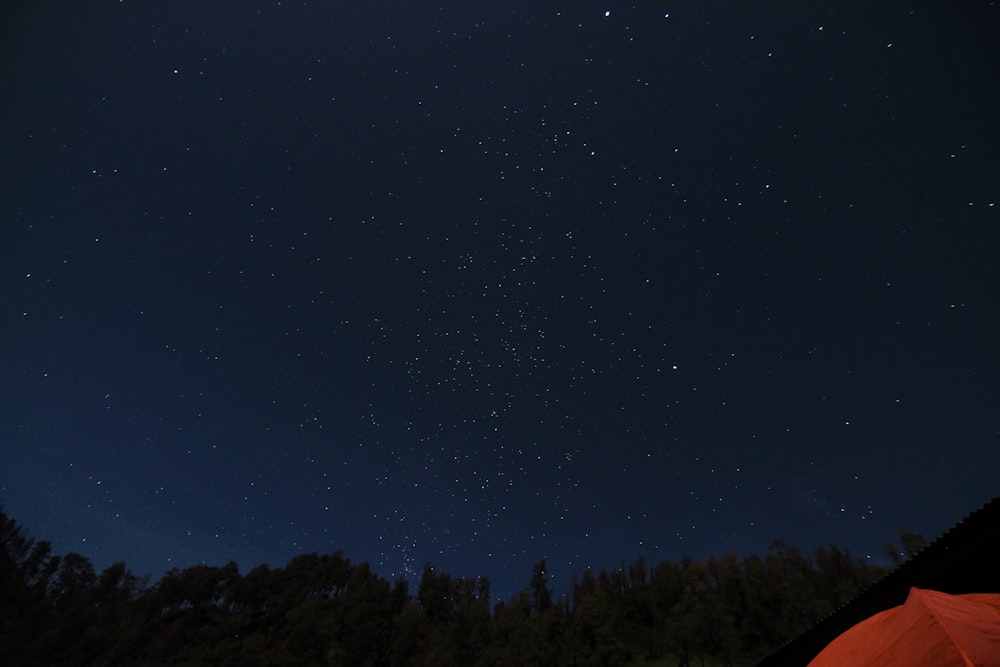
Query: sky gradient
[(483, 283)]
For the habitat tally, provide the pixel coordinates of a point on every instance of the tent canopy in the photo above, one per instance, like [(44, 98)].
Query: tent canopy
[(930, 628)]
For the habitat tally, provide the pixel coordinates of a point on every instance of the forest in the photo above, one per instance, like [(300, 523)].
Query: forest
[(323, 609)]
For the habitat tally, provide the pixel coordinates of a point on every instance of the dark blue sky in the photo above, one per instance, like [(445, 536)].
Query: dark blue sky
[(483, 283)]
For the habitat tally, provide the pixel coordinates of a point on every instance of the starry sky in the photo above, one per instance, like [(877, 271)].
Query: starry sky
[(480, 283)]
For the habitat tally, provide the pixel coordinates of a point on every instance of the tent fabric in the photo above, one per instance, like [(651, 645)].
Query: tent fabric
[(930, 628)]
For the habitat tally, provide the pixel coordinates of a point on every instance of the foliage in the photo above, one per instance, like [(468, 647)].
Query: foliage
[(325, 610)]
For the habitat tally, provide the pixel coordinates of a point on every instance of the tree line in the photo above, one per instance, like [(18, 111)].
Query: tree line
[(326, 610)]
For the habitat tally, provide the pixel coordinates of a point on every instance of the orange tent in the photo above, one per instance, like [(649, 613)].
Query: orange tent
[(931, 628)]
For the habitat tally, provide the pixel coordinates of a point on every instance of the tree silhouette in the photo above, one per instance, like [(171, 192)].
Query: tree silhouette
[(541, 595), (320, 609)]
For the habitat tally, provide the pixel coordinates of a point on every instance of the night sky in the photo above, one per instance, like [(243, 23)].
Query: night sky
[(482, 283)]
